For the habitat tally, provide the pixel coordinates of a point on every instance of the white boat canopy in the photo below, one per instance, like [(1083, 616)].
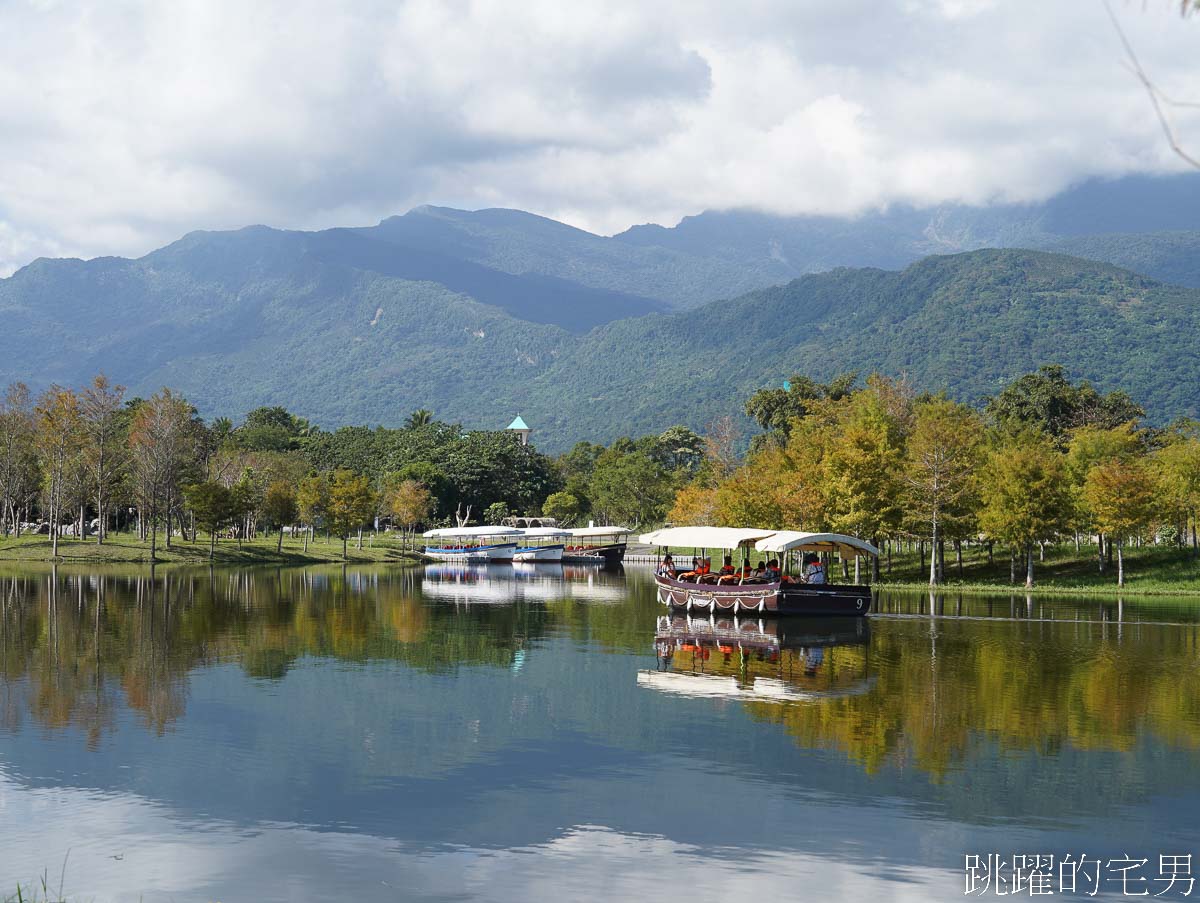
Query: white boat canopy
[(584, 532), (451, 532), (704, 537), (783, 540), (545, 533)]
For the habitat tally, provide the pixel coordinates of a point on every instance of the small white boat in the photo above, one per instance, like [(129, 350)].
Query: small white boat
[(538, 544), (472, 543)]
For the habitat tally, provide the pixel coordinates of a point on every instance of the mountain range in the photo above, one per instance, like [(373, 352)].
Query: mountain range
[(478, 315)]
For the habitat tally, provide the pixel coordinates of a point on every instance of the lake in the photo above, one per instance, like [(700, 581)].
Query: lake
[(547, 734)]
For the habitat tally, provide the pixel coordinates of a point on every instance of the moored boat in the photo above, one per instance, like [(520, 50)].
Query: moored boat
[(471, 543), (737, 594), (596, 545), (541, 544)]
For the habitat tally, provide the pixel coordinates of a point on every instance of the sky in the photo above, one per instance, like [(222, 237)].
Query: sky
[(126, 124)]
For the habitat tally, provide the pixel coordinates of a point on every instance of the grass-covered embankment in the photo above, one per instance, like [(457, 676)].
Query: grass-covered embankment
[(1151, 570), (260, 550)]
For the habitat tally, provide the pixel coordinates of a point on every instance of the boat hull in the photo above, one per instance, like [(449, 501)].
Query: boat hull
[(764, 598), (538, 553), (610, 554), (499, 552)]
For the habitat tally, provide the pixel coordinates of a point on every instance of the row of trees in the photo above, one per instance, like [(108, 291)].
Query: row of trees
[(1043, 460)]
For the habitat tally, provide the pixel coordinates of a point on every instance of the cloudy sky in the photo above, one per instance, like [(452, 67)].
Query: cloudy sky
[(124, 124)]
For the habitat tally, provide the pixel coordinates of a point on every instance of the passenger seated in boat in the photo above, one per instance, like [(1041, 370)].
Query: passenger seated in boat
[(710, 577), (814, 571), (700, 569), (774, 575), (739, 576), (666, 568)]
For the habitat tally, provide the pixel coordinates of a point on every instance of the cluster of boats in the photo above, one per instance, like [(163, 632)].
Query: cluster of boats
[(584, 545)]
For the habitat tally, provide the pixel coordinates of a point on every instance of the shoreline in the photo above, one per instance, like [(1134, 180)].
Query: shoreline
[(125, 548), (995, 589)]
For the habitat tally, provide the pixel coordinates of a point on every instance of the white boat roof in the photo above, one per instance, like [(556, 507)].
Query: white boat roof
[(783, 540), (443, 532), (600, 531), (705, 537), (545, 532)]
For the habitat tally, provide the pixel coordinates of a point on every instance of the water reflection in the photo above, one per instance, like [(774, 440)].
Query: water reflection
[(533, 733)]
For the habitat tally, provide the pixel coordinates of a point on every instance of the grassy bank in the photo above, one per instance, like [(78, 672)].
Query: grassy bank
[(127, 547), (1148, 571)]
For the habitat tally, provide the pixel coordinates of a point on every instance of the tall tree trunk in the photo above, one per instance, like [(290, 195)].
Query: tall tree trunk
[(921, 548), (169, 507), (958, 555), (345, 537), (153, 536), (1120, 562), (212, 544), (933, 552), (360, 539), (1012, 565), (1100, 551), (279, 545), (1108, 552), (307, 531), (1029, 566)]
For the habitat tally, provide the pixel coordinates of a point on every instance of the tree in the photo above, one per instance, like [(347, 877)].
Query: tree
[(496, 513), (1091, 445), (279, 508), (419, 418), (212, 506), (19, 474), (106, 451), (943, 453), (777, 410), (1047, 401), (1178, 466), (1026, 494), (865, 462), (351, 504), (246, 496), (163, 441), (564, 507), (693, 506), (630, 487), (410, 503), (1121, 497), (680, 449), (721, 438), (312, 498), (59, 438)]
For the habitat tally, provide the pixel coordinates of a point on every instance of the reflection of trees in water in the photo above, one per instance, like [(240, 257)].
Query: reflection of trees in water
[(942, 686), (75, 647)]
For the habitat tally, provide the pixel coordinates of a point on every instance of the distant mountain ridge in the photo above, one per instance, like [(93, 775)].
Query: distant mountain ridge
[(478, 315)]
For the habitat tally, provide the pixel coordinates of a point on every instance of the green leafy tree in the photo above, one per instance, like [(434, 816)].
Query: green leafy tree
[(630, 487), (352, 503), (776, 410), (213, 508), (419, 418), (1177, 465), (1121, 496), (563, 506), (312, 498), (1046, 400), (279, 508), (1026, 494), (943, 455), (59, 441), (495, 513)]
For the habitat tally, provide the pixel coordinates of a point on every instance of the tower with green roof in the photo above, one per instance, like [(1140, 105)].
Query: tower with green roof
[(518, 426)]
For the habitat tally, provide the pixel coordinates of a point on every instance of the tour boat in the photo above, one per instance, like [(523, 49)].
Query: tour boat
[(596, 545), (539, 544), (472, 543), (743, 596)]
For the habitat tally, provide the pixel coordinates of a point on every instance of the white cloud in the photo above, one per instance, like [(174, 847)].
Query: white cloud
[(125, 124)]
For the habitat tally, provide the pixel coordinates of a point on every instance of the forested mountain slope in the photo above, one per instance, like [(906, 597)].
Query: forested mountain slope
[(234, 328)]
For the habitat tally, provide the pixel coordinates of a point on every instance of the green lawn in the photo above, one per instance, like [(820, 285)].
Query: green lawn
[(127, 547), (1150, 570)]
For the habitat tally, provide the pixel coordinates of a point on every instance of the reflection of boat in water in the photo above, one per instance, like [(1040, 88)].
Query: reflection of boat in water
[(469, 583), (760, 658)]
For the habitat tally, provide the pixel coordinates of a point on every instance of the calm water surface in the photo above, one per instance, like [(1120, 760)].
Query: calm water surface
[(503, 734)]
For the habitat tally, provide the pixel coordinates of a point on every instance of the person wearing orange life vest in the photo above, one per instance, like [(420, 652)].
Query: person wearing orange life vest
[(699, 570), (774, 574)]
